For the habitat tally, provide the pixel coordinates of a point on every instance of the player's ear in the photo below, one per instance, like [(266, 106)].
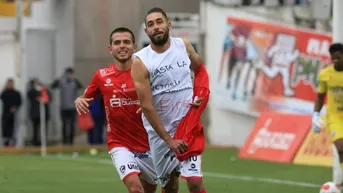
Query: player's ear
[(109, 48), (169, 24), (134, 47)]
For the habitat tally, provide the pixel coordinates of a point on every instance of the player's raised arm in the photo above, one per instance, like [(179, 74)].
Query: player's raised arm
[(141, 82), (319, 102), (196, 60)]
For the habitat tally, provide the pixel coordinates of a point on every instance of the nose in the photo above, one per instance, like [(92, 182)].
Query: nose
[(156, 29), (122, 45)]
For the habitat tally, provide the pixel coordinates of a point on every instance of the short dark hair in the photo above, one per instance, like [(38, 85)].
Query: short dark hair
[(336, 47), (121, 30), (156, 10)]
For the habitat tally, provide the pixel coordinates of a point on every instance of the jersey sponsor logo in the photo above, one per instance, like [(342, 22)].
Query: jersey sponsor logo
[(122, 169), (108, 82), (132, 166), (192, 168), (337, 93), (106, 72), (338, 99), (119, 102), (336, 89), (124, 89), (141, 155)]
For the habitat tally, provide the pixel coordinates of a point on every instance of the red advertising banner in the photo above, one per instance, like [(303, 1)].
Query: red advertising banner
[(269, 67), (276, 137)]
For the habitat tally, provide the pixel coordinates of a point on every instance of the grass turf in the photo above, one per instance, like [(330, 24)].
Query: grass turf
[(224, 173)]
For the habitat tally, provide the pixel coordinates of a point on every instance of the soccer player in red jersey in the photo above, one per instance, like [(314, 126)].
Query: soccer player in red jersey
[(126, 137)]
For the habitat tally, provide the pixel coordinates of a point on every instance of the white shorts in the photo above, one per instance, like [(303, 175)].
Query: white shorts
[(128, 163), (191, 168), (165, 161)]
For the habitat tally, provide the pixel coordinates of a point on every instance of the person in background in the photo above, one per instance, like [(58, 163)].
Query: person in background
[(97, 109), (36, 93), (11, 100), (68, 85)]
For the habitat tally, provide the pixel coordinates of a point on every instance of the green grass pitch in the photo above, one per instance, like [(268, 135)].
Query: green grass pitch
[(223, 173)]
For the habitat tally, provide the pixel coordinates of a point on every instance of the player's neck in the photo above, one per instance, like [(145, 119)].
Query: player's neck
[(123, 66), (338, 68), (161, 48)]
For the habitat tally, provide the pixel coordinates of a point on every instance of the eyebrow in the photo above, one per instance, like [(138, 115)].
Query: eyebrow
[(155, 19), (122, 40)]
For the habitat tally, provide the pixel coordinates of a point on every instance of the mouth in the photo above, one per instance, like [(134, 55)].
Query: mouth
[(157, 33), (123, 52)]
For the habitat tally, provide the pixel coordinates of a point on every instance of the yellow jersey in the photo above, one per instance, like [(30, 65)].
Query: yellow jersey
[(331, 83)]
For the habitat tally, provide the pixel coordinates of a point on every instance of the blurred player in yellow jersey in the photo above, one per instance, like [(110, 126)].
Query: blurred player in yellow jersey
[(331, 84)]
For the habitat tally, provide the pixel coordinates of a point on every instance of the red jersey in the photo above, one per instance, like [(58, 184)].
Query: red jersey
[(190, 128), (124, 125)]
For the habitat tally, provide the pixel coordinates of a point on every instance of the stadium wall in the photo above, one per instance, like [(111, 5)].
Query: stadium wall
[(54, 15), (6, 49), (47, 48), (229, 128)]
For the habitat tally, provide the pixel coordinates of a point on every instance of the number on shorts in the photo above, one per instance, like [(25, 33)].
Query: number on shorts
[(193, 158)]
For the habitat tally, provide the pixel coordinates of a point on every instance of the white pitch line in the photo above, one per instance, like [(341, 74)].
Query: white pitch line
[(260, 179), (213, 175)]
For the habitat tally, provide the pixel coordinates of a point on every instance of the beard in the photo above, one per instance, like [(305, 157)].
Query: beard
[(158, 41)]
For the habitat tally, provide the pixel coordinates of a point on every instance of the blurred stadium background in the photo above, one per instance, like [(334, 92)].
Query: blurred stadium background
[(257, 139)]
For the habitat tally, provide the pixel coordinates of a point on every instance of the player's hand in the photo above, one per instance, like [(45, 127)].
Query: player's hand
[(82, 104), (317, 122), (196, 102), (178, 146)]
